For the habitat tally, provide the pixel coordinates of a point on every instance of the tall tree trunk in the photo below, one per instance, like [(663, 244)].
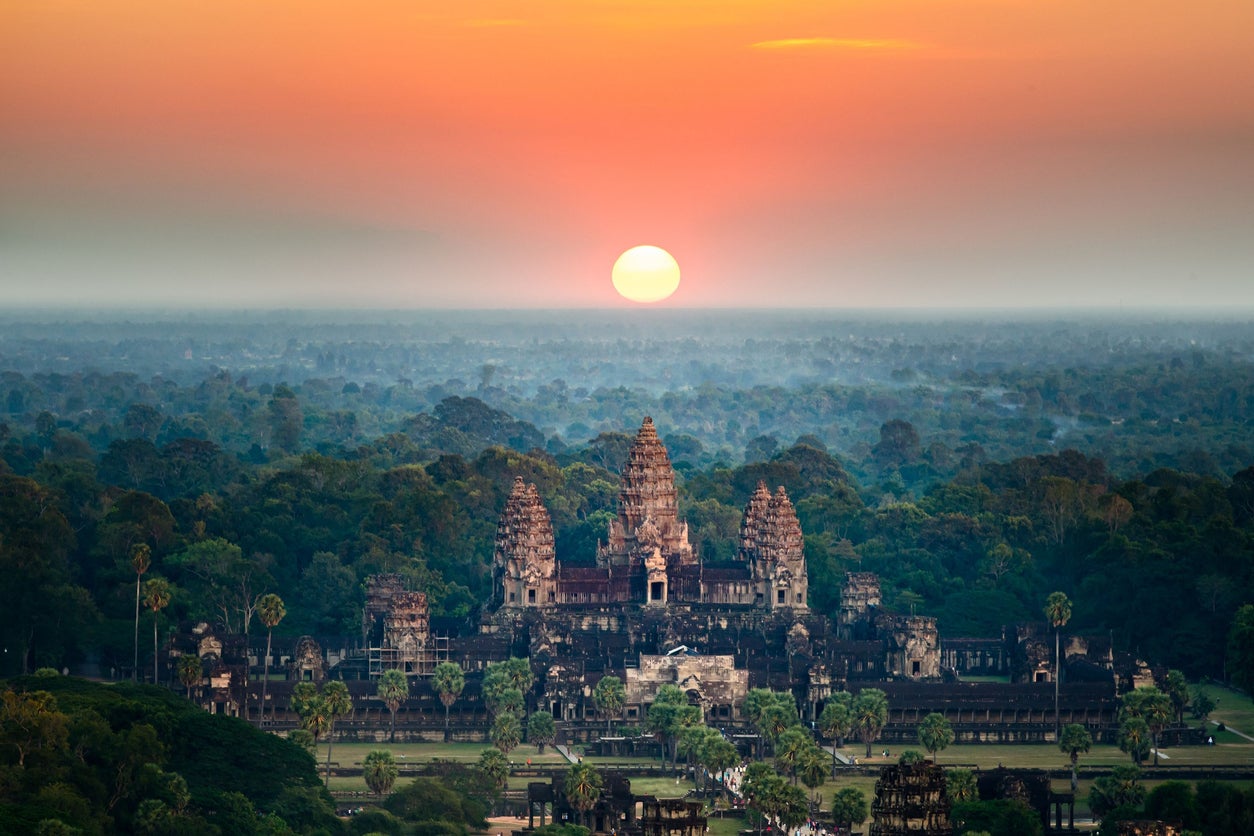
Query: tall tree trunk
[(265, 678), (392, 726), (154, 648), (329, 735), (135, 663), (446, 708), (1057, 725)]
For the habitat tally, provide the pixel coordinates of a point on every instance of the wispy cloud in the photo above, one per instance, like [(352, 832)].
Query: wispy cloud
[(836, 43), (481, 23)]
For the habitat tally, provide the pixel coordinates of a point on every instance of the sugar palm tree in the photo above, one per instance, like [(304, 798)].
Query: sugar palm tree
[(270, 610), (541, 730), (583, 787), (380, 771), (789, 748), (608, 696), (157, 592), (1074, 740), (506, 732), (1058, 612), (141, 559), (337, 702), (448, 681), (836, 722), (870, 714), (495, 767), (393, 689), (190, 671), (935, 733)]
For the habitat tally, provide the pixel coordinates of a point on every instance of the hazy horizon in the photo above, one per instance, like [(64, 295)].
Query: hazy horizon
[(486, 155)]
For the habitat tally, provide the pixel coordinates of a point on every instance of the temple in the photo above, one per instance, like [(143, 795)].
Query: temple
[(646, 558), (647, 607)]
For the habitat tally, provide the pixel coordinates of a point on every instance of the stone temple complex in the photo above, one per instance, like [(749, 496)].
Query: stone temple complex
[(646, 559), (649, 594), (649, 608)]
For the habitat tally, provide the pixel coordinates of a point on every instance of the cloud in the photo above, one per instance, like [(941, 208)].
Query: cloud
[(481, 23), (835, 43)]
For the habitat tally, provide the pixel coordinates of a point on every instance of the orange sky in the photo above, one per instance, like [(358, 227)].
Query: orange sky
[(407, 154)]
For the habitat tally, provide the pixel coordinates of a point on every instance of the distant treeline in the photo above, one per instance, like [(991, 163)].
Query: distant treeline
[(1160, 561)]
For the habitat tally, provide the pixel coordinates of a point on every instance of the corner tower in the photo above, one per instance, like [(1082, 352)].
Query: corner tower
[(524, 565), (771, 541)]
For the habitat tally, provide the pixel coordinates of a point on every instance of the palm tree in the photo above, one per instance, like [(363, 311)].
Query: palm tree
[(380, 771), (448, 681), (717, 755), (789, 747), (1074, 740), (541, 730), (495, 767), (1134, 738), (1153, 707), (608, 696), (812, 769), (141, 559), (157, 593), (583, 787), (270, 610), (1058, 612), (506, 732), (870, 714), (935, 733), (314, 718), (393, 689), (849, 807), (836, 722), (190, 671), (337, 702), (1177, 687), (960, 786)]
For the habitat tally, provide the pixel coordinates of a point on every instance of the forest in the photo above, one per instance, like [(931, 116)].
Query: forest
[(976, 467)]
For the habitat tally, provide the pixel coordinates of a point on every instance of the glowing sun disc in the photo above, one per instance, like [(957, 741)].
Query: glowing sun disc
[(646, 274)]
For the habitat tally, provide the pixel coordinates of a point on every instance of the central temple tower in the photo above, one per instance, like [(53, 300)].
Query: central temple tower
[(648, 529)]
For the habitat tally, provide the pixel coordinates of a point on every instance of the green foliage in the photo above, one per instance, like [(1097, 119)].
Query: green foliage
[(960, 786), (849, 807), (1121, 788), (393, 689), (561, 830), (431, 799), (935, 733), (1201, 704), (870, 714), (583, 786), (541, 730), (494, 767), (1173, 801), (506, 732), (138, 759), (376, 821), (380, 771), (608, 696), (997, 818), (1241, 649)]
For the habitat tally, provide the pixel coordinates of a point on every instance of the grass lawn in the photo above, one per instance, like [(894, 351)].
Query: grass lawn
[(353, 754), (1232, 709)]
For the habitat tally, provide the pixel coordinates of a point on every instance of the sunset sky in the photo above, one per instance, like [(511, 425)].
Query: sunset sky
[(411, 154)]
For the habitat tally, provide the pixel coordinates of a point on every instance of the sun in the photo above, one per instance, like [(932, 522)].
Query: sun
[(646, 274)]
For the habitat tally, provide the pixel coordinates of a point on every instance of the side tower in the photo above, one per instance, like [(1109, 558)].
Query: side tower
[(524, 567), (770, 539), (859, 602), (648, 538)]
